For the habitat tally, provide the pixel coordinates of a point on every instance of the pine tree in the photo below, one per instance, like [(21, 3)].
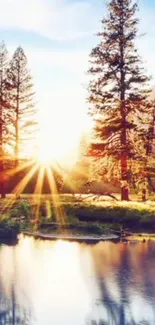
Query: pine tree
[(147, 137), (118, 89), (4, 111), (4, 97), (22, 101)]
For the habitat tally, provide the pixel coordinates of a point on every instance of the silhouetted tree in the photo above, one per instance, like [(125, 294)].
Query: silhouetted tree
[(118, 88), (4, 109), (22, 100)]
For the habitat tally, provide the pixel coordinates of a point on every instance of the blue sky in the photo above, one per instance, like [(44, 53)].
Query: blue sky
[(57, 36)]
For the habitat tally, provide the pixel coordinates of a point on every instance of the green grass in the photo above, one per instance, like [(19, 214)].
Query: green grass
[(81, 215)]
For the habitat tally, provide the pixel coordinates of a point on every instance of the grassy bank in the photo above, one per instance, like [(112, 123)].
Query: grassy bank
[(9, 229), (74, 215)]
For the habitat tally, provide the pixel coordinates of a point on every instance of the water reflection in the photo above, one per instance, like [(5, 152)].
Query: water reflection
[(11, 310), (67, 283), (127, 284), (12, 313)]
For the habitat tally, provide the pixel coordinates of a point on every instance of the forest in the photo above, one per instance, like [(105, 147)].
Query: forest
[(77, 162), (119, 149)]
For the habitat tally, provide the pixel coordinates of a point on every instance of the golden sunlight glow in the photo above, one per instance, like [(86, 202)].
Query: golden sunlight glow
[(59, 139), (49, 151), (42, 172), (60, 213), (38, 190), (22, 184)]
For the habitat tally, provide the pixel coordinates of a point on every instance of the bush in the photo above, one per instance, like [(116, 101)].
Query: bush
[(21, 208), (8, 230)]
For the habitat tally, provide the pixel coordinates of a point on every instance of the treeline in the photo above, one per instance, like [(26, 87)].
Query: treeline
[(17, 106), (122, 146), (120, 101)]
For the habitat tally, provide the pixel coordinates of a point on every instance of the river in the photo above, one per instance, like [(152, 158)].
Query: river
[(63, 283)]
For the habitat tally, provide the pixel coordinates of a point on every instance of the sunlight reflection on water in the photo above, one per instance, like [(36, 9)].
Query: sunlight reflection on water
[(59, 283)]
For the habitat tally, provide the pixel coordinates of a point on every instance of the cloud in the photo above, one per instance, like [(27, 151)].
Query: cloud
[(57, 19), (60, 81), (68, 61)]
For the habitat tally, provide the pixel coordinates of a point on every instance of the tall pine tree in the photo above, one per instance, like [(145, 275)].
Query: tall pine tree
[(117, 89), (4, 97), (4, 111), (22, 101)]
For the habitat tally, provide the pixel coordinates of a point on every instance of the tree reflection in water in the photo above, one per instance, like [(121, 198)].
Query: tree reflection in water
[(11, 311), (132, 322), (128, 272), (117, 313), (121, 285)]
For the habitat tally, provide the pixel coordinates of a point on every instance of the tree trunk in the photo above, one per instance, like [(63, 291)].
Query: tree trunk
[(13, 307), (144, 196), (2, 181), (17, 123), (124, 153), (3, 194), (125, 193), (149, 151), (124, 177), (17, 133), (2, 185), (17, 141), (145, 180)]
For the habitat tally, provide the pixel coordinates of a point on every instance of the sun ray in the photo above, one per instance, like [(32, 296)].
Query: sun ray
[(48, 208), (38, 191), (17, 169), (65, 173), (11, 172), (60, 214), (20, 186), (57, 167)]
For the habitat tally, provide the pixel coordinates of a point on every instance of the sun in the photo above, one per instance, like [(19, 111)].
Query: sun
[(45, 157), (59, 139), (48, 153), (61, 151)]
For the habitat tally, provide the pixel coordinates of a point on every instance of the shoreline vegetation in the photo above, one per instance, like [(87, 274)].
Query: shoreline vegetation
[(114, 155), (75, 217)]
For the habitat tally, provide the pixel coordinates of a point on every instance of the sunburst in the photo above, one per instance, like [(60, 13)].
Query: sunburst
[(42, 170), (38, 191), (59, 211), (22, 184)]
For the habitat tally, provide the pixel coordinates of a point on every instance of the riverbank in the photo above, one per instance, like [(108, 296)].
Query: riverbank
[(92, 239), (74, 216), (72, 238)]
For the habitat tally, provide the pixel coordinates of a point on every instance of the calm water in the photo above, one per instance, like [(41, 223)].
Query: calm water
[(61, 283)]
